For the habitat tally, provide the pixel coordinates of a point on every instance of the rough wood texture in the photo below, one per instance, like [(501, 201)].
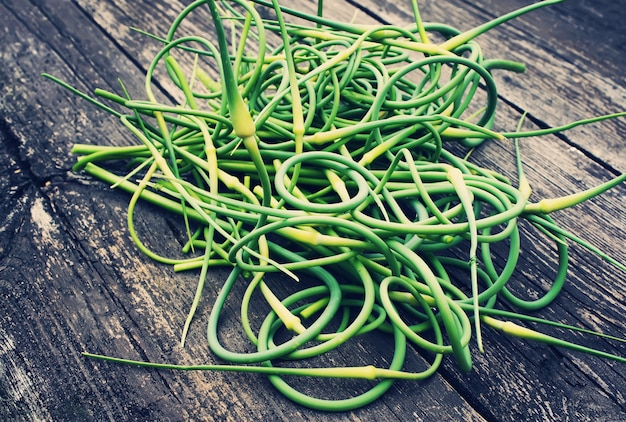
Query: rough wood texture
[(71, 280)]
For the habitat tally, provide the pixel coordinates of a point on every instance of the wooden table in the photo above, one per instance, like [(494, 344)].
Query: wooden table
[(71, 279)]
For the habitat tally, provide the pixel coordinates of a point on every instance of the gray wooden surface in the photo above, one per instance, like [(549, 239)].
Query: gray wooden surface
[(71, 279)]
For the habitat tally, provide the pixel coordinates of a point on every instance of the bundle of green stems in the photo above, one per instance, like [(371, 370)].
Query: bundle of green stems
[(328, 152)]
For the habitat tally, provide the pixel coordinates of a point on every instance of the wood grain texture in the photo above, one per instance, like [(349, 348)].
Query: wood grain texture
[(71, 279)]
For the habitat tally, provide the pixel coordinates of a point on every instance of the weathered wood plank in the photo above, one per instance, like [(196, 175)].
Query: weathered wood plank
[(70, 279)]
